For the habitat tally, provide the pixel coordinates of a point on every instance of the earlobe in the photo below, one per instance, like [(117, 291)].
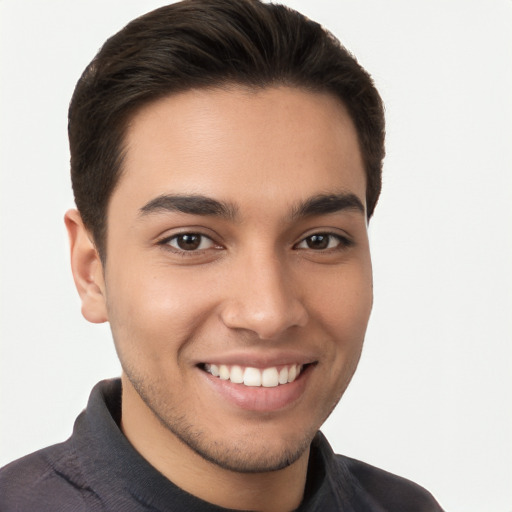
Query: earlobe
[(87, 269)]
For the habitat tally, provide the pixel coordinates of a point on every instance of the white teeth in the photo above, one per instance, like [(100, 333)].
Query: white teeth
[(269, 378), (292, 373), (254, 377), (223, 372), (236, 375)]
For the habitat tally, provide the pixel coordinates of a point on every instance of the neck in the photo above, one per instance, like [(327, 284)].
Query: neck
[(274, 491)]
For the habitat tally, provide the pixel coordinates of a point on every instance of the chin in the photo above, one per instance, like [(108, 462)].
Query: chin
[(246, 456), (243, 449)]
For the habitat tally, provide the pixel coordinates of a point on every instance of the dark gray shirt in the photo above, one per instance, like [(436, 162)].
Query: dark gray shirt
[(97, 469)]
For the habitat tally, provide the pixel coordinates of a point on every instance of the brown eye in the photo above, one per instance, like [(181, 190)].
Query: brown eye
[(324, 241), (190, 242), (318, 241)]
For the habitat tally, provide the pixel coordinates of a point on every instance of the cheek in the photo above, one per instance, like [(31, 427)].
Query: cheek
[(344, 302), (153, 312), (344, 314)]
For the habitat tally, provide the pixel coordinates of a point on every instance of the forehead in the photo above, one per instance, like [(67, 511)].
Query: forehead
[(254, 145)]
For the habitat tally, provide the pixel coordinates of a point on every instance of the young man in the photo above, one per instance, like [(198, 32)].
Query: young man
[(226, 158)]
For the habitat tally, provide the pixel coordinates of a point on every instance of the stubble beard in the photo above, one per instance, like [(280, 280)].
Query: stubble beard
[(237, 456), (225, 454)]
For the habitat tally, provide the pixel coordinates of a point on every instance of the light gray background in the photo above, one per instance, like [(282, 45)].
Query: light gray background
[(432, 396)]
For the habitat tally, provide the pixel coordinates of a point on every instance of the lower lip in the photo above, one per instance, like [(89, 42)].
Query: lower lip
[(260, 399)]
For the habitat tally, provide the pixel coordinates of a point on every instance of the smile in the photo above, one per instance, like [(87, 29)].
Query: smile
[(255, 377)]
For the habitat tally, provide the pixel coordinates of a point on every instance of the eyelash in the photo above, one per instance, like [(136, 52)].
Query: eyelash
[(343, 243), (166, 243)]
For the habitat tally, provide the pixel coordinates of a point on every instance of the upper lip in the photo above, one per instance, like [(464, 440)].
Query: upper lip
[(259, 360)]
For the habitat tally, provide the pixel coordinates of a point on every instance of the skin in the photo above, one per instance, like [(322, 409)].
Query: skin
[(258, 289)]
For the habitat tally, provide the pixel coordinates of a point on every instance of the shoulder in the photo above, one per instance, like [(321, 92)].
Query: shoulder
[(45, 480), (390, 491)]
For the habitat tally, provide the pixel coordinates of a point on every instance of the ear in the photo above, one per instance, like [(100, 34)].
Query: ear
[(87, 269)]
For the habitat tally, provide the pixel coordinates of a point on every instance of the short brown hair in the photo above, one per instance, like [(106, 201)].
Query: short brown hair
[(207, 43)]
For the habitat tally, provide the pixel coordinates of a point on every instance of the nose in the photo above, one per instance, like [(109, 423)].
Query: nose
[(264, 298)]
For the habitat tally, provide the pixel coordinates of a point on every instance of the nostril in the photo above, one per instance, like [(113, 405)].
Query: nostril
[(265, 303)]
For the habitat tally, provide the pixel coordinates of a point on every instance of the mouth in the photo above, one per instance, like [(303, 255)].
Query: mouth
[(269, 377), (258, 388)]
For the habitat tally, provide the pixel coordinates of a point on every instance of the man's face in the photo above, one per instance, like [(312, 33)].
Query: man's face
[(237, 244)]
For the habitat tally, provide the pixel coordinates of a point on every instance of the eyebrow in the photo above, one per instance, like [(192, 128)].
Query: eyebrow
[(323, 204), (190, 204)]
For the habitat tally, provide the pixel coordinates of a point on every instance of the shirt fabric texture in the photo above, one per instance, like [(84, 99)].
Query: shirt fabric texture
[(98, 470)]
